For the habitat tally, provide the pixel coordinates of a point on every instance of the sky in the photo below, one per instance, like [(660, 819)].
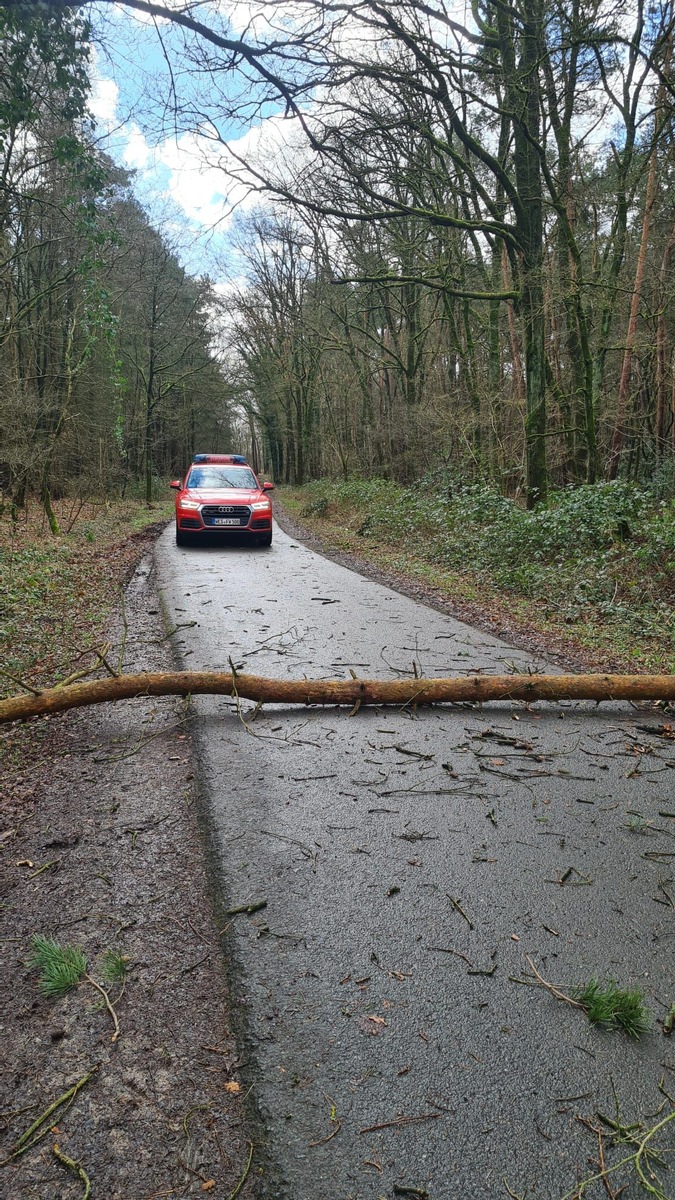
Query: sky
[(187, 182), (181, 177)]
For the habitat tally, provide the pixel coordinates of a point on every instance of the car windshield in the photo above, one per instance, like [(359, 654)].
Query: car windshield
[(221, 477)]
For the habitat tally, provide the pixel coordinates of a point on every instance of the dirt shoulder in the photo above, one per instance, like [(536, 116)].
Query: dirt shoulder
[(102, 848)]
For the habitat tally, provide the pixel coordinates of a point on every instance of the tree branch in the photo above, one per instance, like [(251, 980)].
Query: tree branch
[(476, 688)]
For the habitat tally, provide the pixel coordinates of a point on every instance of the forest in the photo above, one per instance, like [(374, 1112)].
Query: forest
[(258, 947), (465, 263), (108, 370)]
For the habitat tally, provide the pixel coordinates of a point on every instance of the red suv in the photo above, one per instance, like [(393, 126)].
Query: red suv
[(221, 494)]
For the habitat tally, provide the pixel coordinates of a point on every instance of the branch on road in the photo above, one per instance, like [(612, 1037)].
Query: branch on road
[(352, 692)]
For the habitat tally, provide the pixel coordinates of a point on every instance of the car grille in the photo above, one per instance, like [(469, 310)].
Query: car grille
[(238, 512), (190, 523), (261, 523)]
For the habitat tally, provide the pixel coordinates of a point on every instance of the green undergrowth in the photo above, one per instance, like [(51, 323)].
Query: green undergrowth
[(596, 566), (57, 593)]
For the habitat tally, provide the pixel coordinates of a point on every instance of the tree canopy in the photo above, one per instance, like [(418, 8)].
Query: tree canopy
[(469, 258), (107, 356)]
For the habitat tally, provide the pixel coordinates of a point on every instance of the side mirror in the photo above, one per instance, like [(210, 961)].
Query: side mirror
[(176, 483), (268, 487)]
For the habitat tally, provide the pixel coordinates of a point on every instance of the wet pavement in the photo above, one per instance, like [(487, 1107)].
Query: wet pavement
[(408, 863)]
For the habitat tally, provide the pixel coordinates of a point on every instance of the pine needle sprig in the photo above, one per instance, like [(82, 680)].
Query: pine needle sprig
[(605, 1003), (114, 966), (61, 967)]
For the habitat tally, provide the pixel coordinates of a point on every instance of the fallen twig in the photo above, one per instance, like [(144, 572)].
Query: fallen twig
[(330, 1136), (639, 1159), (64, 1102), (243, 1178), (106, 1000), (512, 1194), (458, 908), (393, 1124), (604, 1004), (550, 987), (75, 1167), (15, 679), (254, 907)]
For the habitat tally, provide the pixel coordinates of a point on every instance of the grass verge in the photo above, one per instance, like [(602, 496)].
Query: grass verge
[(57, 594), (594, 572)]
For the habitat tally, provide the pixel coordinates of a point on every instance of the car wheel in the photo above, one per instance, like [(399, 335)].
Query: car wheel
[(182, 539), (266, 539)]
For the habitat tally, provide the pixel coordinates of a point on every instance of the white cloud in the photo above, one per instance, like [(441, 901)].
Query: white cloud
[(226, 288), (207, 179), (196, 183), (273, 147), (105, 93), (137, 153), (103, 100)]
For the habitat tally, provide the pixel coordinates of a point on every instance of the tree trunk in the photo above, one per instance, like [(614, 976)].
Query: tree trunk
[(524, 100), (535, 368), (354, 692), (516, 361), (661, 349), (622, 402)]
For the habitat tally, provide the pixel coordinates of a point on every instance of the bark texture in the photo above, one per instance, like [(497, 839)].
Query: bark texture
[(341, 691)]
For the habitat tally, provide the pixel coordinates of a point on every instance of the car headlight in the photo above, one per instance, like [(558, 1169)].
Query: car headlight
[(261, 504), (189, 503)]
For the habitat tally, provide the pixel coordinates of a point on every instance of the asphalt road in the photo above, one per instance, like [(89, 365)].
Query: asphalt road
[(409, 861)]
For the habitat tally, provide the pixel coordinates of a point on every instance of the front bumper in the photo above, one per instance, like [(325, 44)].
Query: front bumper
[(223, 519)]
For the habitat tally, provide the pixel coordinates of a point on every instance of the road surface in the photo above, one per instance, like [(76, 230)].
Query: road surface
[(409, 862)]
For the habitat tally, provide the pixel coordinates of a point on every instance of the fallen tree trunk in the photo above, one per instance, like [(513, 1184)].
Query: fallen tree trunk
[(340, 691)]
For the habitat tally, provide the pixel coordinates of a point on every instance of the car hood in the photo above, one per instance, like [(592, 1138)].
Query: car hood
[(224, 495)]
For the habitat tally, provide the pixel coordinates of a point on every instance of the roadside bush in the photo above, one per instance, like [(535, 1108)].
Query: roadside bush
[(594, 517)]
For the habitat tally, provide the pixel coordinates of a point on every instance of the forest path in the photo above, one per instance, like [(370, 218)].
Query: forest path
[(408, 862)]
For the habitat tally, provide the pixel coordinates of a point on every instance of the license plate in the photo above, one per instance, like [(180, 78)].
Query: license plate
[(226, 521)]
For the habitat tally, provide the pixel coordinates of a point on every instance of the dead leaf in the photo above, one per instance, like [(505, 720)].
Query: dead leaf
[(370, 1024), (233, 1087)]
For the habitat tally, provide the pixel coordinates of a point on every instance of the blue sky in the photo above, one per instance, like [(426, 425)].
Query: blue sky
[(181, 176), (186, 181)]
